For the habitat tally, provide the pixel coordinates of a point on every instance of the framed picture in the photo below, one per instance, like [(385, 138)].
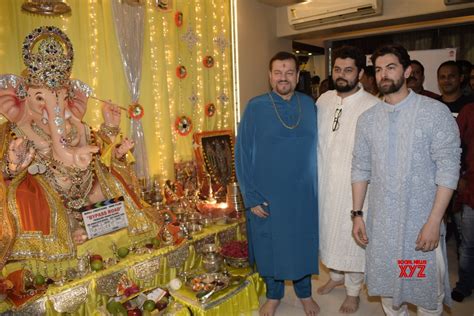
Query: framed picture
[(215, 159)]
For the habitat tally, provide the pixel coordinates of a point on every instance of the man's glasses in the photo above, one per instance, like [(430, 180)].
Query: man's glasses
[(335, 123)]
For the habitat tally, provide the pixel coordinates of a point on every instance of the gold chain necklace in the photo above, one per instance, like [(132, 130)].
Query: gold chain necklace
[(81, 181), (41, 133), (279, 117)]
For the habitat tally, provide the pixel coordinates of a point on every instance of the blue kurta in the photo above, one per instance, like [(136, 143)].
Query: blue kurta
[(405, 151), (277, 165)]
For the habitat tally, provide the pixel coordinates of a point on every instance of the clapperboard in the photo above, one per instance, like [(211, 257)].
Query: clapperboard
[(104, 217)]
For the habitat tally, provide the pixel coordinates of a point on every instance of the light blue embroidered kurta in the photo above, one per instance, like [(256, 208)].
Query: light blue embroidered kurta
[(404, 151), (277, 165)]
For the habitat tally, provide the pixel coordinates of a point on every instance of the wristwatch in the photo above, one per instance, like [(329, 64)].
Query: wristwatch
[(356, 213)]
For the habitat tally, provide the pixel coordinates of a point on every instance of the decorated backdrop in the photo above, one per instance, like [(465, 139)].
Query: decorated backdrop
[(185, 84)]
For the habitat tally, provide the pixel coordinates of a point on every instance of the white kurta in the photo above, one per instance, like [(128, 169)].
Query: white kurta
[(338, 249)]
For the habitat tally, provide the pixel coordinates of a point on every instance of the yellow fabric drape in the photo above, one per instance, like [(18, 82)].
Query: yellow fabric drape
[(163, 95)]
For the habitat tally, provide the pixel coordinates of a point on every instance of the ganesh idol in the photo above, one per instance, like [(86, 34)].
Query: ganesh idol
[(54, 165)]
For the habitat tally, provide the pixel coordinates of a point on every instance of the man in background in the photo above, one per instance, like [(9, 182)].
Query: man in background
[(417, 78), (465, 66), (449, 80), (338, 111), (465, 198), (368, 81)]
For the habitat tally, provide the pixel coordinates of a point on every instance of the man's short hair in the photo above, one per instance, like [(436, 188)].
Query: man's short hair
[(351, 52), (416, 62), (284, 56), (450, 63), (394, 49)]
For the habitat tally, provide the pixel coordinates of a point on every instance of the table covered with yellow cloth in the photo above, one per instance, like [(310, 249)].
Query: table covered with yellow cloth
[(84, 296), (239, 299)]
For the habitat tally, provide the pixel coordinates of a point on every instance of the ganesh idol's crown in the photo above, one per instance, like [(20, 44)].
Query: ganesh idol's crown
[(50, 64)]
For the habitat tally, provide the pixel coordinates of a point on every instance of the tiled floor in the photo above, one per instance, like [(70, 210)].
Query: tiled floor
[(330, 303)]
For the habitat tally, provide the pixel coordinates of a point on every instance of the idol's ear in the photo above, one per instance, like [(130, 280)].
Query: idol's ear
[(12, 97), (79, 94)]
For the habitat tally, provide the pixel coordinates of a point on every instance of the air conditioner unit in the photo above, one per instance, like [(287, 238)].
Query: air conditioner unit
[(319, 12)]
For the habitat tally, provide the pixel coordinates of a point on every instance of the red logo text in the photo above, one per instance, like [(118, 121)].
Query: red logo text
[(412, 269)]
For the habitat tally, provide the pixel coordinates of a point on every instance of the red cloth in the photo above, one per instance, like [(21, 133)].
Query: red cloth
[(465, 122), (22, 282), (430, 94), (33, 208)]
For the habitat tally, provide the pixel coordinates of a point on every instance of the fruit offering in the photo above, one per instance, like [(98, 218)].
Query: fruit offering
[(207, 282), (235, 249), (97, 265), (40, 280), (149, 305), (122, 252), (115, 308), (162, 303)]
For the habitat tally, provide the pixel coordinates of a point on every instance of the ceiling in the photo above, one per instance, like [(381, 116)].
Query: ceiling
[(280, 3)]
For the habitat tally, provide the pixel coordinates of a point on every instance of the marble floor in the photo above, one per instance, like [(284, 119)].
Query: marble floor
[(330, 303)]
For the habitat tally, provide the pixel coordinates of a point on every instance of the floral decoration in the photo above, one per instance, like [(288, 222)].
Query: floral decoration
[(208, 61), (210, 109), (179, 18), (135, 111), (183, 125), (181, 72)]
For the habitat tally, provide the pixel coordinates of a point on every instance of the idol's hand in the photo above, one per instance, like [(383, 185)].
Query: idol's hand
[(19, 155), (111, 113), (79, 236), (358, 231), (126, 145), (428, 238), (259, 211)]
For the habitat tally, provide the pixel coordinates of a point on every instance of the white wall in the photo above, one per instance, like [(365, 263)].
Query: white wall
[(258, 42), (397, 10), (316, 66)]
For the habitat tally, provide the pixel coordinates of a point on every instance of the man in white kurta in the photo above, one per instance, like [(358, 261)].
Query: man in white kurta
[(338, 111)]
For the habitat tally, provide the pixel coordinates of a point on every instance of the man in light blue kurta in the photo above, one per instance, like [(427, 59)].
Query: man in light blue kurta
[(407, 147), (275, 157)]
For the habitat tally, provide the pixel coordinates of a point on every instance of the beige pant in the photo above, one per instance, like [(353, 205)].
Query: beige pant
[(403, 310), (352, 280)]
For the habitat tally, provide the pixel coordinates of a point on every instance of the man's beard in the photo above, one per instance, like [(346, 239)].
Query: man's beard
[(283, 91), (392, 88), (347, 87)]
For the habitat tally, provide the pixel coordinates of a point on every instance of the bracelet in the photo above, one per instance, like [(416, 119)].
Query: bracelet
[(356, 213), (7, 171), (110, 131)]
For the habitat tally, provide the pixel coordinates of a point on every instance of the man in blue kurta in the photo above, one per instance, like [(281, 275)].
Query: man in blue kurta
[(275, 159), (407, 152)]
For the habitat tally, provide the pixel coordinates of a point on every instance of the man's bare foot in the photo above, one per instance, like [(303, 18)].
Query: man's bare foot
[(269, 308), (350, 305), (327, 288), (311, 308)]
